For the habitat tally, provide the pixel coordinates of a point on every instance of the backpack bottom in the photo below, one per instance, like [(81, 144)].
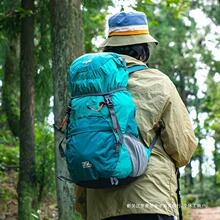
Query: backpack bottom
[(106, 183)]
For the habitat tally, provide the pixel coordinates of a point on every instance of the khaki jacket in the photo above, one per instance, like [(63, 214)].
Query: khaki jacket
[(157, 101)]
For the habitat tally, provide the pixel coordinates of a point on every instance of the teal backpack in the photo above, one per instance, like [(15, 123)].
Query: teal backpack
[(103, 148)]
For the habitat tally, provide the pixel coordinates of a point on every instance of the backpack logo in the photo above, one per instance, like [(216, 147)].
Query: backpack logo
[(87, 61), (86, 164)]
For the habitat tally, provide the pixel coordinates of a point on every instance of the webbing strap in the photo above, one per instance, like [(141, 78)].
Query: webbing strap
[(65, 179), (116, 126), (179, 195), (99, 94), (132, 69), (61, 150), (156, 137)]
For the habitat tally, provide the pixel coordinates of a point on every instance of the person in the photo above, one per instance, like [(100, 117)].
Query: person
[(153, 195)]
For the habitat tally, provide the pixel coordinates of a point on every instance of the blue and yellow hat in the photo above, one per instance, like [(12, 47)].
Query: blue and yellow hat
[(128, 29)]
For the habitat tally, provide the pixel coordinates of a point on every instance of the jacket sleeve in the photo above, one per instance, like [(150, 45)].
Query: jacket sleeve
[(178, 136)]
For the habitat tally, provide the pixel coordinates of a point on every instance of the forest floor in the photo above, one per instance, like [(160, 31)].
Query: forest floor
[(48, 207), (206, 214), (8, 201)]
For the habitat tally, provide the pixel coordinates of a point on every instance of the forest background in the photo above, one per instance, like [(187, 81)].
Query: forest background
[(38, 41)]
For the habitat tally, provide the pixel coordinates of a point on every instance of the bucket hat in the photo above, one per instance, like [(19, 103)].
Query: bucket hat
[(128, 29)]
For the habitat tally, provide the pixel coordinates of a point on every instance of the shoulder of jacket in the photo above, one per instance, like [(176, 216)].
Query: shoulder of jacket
[(153, 79), (157, 72), (152, 74)]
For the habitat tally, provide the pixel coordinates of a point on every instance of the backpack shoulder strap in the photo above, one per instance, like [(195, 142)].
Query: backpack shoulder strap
[(135, 68)]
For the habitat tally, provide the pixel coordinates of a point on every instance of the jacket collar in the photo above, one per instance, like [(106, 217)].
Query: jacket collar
[(132, 61)]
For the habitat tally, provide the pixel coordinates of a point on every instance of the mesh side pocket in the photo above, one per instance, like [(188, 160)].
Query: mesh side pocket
[(138, 154)]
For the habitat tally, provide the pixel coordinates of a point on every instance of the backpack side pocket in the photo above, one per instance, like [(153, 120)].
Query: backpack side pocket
[(139, 154)]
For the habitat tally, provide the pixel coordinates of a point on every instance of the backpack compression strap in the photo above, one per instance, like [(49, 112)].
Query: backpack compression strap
[(116, 126)]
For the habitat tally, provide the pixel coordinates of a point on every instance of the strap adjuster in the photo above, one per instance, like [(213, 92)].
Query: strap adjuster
[(108, 101)]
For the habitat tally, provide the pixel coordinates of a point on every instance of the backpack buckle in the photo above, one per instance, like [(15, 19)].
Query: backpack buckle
[(108, 101)]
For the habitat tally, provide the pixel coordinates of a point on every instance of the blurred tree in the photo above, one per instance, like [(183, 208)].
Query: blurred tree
[(10, 94), (94, 21), (27, 178), (211, 100), (43, 77), (211, 8), (212, 123), (9, 28), (67, 44)]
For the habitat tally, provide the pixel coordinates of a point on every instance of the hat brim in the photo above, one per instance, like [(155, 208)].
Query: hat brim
[(115, 41)]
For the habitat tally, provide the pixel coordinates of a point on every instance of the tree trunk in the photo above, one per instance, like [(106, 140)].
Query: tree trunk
[(188, 168), (10, 93), (26, 183), (188, 178), (201, 179), (67, 44), (216, 159)]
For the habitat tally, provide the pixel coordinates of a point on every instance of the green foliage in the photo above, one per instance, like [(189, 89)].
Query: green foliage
[(176, 7), (212, 9), (9, 62), (24, 12), (173, 56), (9, 16), (94, 21), (9, 164), (210, 194), (78, 216), (6, 138), (45, 163), (8, 157), (212, 103), (43, 78), (3, 48)]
